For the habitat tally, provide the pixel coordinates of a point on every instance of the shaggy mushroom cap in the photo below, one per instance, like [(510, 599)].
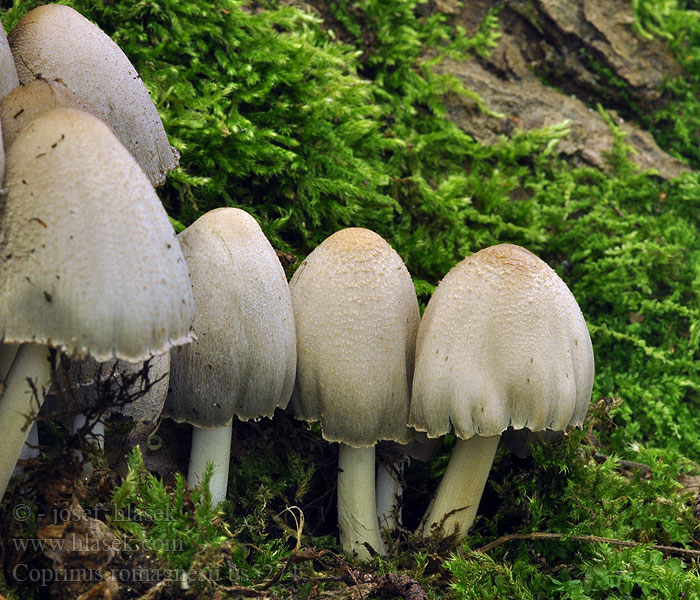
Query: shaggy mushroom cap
[(502, 342), (26, 102), (56, 42), (244, 360), (91, 264), (356, 314)]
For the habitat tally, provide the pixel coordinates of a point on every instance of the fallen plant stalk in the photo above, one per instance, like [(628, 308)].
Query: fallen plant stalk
[(592, 539)]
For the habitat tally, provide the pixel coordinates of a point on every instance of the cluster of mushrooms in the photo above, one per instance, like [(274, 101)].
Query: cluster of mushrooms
[(91, 267)]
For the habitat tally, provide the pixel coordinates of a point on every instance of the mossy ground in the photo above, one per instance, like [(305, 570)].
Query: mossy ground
[(274, 114)]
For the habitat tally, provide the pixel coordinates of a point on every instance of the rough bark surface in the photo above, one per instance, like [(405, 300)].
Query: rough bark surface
[(578, 47)]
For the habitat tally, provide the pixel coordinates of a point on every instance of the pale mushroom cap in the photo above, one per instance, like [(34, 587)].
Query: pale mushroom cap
[(91, 264), (502, 342), (8, 82), (8, 72), (26, 102), (357, 315), (244, 360), (56, 42)]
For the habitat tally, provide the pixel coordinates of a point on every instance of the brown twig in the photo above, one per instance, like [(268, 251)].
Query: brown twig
[(296, 558), (591, 539)]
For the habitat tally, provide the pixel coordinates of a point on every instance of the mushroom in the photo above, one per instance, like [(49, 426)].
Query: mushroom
[(91, 265), (8, 73), (244, 360), (57, 43), (26, 102), (8, 82), (502, 343), (356, 314)]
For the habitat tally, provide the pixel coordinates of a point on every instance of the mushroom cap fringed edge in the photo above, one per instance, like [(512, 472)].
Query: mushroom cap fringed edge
[(90, 262), (502, 343), (357, 314)]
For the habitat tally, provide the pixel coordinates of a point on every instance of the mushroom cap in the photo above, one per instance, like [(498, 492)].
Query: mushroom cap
[(8, 82), (90, 262), (502, 342), (8, 72), (244, 360), (356, 313), (26, 102), (56, 42)]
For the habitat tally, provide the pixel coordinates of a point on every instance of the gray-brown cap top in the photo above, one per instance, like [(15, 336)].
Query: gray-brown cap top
[(502, 342), (357, 314)]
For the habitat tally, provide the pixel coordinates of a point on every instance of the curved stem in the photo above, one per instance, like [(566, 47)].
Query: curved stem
[(18, 401), (457, 498), (389, 494), (211, 445), (357, 505)]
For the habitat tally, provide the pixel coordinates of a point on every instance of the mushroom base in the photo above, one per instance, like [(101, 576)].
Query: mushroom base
[(357, 505)]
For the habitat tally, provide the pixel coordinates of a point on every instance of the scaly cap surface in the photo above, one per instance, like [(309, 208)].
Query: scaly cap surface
[(502, 342)]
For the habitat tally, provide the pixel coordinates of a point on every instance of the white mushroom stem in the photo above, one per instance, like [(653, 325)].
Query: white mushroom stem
[(32, 363), (357, 505), (457, 498), (389, 494), (211, 445)]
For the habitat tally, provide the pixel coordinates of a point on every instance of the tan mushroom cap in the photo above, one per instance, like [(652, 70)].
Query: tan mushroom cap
[(356, 314), (502, 342), (244, 360), (26, 102), (56, 42), (91, 264)]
